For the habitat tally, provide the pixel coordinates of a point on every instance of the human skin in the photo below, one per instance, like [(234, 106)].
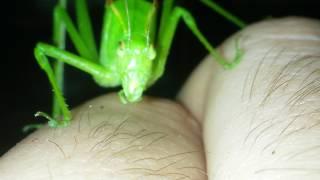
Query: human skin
[(258, 121), (261, 121)]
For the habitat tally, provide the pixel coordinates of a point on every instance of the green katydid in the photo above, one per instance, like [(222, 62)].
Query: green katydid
[(133, 49)]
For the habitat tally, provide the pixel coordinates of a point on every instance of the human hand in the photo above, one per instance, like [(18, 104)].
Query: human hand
[(258, 121)]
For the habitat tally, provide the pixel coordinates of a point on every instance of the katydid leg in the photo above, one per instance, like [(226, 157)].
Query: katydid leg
[(217, 8), (165, 42), (43, 51), (59, 35), (45, 65), (165, 15), (80, 44), (85, 28), (83, 40)]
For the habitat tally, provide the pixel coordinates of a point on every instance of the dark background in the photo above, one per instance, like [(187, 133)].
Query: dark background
[(25, 88)]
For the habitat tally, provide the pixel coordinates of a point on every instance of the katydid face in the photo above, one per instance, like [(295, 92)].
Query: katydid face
[(135, 65)]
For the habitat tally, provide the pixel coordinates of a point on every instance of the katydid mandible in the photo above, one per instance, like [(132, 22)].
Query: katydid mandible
[(133, 49)]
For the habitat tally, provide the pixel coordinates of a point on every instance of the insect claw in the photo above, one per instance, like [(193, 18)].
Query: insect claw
[(53, 122), (42, 114)]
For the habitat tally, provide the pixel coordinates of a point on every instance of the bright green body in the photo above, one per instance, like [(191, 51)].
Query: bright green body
[(127, 45), (122, 27), (133, 51)]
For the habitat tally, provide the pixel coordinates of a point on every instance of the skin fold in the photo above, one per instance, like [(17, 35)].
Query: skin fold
[(259, 121)]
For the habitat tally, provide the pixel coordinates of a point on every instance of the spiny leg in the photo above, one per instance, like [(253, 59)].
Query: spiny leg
[(82, 40), (165, 41), (60, 102), (42, 52), (59, 34)]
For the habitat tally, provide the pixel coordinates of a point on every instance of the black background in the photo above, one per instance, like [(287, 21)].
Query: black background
[(25, 88)]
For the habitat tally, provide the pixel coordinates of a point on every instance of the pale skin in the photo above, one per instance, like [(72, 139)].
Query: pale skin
[(259, 121)]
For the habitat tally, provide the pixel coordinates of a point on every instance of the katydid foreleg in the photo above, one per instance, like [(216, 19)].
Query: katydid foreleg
[(42, 51), (57, 73), (83, 40), (85, 45)]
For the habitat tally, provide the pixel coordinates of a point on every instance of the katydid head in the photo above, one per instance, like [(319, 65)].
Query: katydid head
[(135, 61)]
